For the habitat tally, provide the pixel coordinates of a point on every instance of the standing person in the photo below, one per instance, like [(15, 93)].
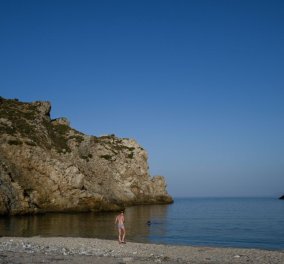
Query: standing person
[(119, 220)]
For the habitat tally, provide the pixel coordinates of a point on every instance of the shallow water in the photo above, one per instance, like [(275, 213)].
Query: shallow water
[(226, 222)]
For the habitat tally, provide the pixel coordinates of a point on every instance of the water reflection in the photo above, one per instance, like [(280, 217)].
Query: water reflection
[(99, 225), (137, 218)]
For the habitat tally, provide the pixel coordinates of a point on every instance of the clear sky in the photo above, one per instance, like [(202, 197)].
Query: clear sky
[(199, 84)]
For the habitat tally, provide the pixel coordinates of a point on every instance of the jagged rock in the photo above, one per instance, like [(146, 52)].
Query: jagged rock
[(43, 108), (61, 121), (47, 166)]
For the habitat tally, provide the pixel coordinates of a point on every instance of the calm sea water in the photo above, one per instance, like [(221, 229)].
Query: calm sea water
[(225, 222)]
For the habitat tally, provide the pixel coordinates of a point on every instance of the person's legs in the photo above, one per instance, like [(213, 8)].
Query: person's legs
[(119, 235), (123, 234)]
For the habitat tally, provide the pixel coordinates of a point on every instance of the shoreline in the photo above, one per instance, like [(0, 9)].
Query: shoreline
[(92, 250)]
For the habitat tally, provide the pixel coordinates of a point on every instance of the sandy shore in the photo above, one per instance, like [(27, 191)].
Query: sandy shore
[(84, 250)]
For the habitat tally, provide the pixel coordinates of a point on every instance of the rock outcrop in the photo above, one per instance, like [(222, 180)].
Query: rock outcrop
[(47, 166), (281, 198)]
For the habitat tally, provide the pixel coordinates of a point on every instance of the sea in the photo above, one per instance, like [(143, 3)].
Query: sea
[(217, 222)]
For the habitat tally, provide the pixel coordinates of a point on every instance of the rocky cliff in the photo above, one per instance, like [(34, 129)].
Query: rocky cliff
[(47, 166)]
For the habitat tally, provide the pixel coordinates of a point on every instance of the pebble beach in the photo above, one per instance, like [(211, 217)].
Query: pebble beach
[(90, 250)]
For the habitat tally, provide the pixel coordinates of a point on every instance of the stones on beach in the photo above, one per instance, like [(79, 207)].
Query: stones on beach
[(127, 259), (70, 250), (132, 253)]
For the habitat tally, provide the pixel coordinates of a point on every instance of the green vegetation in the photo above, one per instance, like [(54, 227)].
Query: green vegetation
[(130, 156), (111, 136), (107, 157), (30, 143), (95, 139), (26, 121), (87, 158), (130, 148), (59, 136), (15, 142), (20, 115), (116, 145), (84, 157), (77, 138)]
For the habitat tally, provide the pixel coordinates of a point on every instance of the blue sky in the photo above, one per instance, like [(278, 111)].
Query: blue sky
[(199, 84)]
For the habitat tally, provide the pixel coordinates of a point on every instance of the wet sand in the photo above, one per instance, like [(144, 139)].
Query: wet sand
[(89, 250)]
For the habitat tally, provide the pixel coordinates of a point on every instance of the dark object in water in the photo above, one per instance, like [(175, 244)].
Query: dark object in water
[(149, 223), (282, 197)]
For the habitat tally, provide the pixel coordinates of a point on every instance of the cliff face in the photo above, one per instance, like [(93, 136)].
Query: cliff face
[(47, 166)]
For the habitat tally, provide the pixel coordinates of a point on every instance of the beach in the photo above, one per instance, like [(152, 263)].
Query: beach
[(91, 250)]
